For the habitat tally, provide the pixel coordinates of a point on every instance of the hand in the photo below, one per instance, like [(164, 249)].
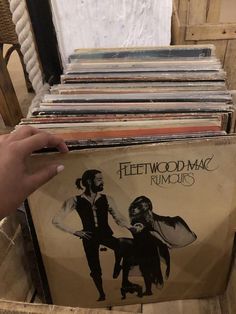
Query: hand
[(132, 229), (136, 228), (139, 227), (15, 181), (83, 234)]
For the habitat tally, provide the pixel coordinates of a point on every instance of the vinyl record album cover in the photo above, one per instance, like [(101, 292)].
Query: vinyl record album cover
[(137, 224)]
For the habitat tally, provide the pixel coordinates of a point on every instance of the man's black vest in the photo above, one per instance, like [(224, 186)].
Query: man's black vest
[(84, 209)]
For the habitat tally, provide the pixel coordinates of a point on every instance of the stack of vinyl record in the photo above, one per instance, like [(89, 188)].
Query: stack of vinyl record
[(111, 97)]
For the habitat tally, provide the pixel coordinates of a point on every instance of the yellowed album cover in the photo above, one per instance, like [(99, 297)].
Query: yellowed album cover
[(137, 224)]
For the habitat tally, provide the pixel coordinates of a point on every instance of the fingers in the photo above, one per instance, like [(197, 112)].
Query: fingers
[(23, 132), (42, 140), (62, 147), (83, 234), (86, 235), (33, 139), (42, 176)]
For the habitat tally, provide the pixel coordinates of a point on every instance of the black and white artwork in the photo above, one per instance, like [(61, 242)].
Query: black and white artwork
[(151, 236)]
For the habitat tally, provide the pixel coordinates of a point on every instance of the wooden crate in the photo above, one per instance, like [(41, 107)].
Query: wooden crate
[(17, 285), (198, 22)]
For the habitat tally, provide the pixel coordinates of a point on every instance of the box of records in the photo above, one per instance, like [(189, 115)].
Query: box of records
[(144, 210)]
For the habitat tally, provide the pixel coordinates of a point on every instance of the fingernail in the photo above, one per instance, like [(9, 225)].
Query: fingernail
[(60, 168)]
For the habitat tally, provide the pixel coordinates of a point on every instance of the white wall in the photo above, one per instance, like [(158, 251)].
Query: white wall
[(111, 23)]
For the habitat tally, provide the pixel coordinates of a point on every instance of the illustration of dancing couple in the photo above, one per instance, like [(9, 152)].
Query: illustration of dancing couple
[(152, 235)]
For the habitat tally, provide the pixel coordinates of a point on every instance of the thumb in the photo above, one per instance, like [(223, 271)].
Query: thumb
[(43, 175)]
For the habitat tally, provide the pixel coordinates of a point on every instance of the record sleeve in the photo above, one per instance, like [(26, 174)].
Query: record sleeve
[(137, 224)]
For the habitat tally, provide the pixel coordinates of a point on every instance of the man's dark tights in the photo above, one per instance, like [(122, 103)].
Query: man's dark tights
[(91, 248)]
